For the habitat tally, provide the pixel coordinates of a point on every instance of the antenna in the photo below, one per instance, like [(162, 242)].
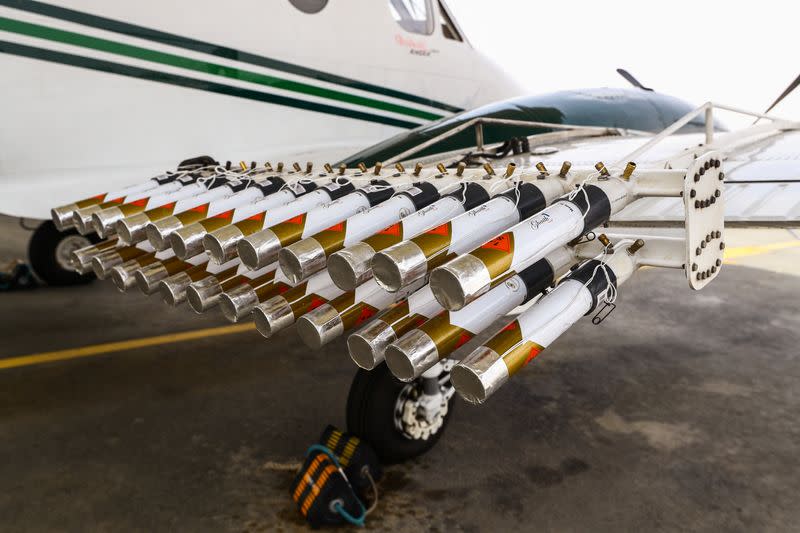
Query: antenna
[(633, 81), (786, 92)]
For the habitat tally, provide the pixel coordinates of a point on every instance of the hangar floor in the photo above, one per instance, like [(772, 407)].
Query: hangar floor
[(681, 411)]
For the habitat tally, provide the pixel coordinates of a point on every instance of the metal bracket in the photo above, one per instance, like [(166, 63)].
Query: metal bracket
[(704, 206)]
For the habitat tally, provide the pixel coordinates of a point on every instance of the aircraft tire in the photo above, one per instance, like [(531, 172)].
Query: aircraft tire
[(45, 247), (371, 407)]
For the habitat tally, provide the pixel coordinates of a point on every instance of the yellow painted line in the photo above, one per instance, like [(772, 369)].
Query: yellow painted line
[(759, 249), (111, 347)]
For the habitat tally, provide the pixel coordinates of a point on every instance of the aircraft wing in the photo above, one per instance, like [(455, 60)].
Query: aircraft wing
[(762, 189)]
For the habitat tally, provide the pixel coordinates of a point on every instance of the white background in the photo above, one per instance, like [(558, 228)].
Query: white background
[(738, 53)]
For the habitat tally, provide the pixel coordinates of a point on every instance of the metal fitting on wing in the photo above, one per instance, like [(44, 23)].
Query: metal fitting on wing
[(565, 166), (629, 169), (636, 246)]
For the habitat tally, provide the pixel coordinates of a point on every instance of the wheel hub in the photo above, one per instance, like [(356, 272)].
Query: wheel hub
[(418, 415)]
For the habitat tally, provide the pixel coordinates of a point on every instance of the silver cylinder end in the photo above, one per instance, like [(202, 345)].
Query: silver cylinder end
[(259, 249), (320, 326), (103, 262), (302, 259), (62, 216), (148, 277), (131, 230), (104, 222), (479, 375), (398, 266), (82, 219), (238, 302), (123, 275), (187, 242), (272, 316), (411, 355), (158, 231), (368, 345), (81, 260), (460, 282), (352, 266), (221, 243), (204, 294), (173, 289)]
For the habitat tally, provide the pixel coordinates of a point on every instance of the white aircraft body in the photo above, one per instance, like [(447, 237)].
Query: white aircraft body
[(98, 93)]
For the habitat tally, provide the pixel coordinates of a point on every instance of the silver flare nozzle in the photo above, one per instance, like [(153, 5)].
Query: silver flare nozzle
[(352, 266), (103, 262), (479, 375), (159, 231), (81, 260), (400, 265), (302, 259), (187, 242), (204, 294), (368, 345), (460, 281), (131, 230), (221, 243), (273, 315), (105, 222), (411, 355), (320, 326), (62, 216), (173, 289), (238, 302), (124, 276), (82, 219), (148, 277), (259, 249)]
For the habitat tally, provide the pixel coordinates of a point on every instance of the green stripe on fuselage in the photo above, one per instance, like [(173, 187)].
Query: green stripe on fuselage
[(136, 52), (141, 32), (192, 83)]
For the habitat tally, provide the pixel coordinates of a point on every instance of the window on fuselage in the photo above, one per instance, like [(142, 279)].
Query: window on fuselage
[(449, 29), (414, 16)]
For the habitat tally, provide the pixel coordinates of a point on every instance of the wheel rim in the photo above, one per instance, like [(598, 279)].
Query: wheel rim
[(66, 246), (408, 416)]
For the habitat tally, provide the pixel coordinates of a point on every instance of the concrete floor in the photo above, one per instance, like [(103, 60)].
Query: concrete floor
[(679, 412)]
